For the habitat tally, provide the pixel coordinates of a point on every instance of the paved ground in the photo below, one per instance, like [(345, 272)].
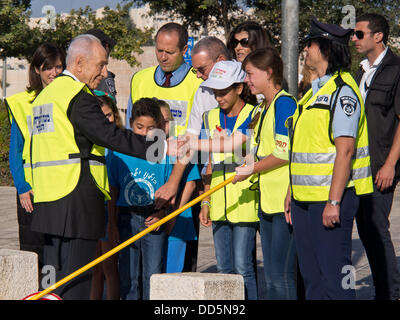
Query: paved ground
[(206, 258)]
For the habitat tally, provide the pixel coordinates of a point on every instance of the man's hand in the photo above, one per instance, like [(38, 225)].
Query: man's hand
[(384, 177), (26, 202), (174, 145), (166, 193)]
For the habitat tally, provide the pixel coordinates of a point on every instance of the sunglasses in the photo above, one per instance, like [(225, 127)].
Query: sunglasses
[(243, 42), (360, 34)]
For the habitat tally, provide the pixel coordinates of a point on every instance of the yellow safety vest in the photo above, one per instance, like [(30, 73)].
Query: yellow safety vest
[(56, 161), (234, 202), (20, 109), (312, 149), (273, 184), (179, 97)]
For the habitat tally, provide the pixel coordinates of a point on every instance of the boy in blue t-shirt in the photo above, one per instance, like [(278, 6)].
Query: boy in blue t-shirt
[(133, 183), (181, 229)]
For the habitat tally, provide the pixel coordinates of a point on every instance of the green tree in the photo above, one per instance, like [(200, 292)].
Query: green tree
[(14, 31), (195, 14), (116, 23), (268, 13)]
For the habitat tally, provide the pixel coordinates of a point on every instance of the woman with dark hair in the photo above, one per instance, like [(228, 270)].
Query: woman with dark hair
[(246, 37), (264, 68), (47, 62), (329, 166)]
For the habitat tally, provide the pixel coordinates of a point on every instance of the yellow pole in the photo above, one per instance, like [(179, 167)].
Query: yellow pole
[(131, 240)]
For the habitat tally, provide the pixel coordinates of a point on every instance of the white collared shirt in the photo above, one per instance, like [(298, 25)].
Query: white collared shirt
[(369, 72), (68, 73)]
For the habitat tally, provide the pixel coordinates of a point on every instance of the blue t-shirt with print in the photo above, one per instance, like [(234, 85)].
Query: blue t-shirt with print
[(184, 228), (136, 179)]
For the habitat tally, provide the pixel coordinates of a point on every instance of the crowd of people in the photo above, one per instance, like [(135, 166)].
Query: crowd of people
[(303, 167)]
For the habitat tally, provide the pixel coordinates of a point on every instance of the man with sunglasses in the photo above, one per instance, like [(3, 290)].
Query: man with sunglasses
[(378, 78)]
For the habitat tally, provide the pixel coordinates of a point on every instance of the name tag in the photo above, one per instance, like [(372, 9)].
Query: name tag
[(324, 99), (43, 119)]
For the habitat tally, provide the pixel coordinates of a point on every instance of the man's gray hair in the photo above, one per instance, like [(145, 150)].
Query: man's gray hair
[(213, 46), (80, 46)]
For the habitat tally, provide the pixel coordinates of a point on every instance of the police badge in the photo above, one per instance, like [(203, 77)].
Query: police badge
[(348, 105)]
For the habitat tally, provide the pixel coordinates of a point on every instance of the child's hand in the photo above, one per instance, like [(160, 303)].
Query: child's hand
[(204, 216), (155, 217)]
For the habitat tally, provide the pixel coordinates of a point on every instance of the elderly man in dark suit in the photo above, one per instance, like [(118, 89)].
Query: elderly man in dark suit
[(68, 163)]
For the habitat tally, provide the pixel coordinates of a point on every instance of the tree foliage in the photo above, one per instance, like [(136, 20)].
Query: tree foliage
[(196, 14), (17, 39)]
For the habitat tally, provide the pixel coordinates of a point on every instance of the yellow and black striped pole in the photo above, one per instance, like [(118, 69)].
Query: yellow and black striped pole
[(130, 241)]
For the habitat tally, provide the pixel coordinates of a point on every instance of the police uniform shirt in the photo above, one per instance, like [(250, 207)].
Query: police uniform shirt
[(347, 111)]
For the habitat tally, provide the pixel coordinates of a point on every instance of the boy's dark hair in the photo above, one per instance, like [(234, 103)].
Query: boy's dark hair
[(337, 54), (179, 29), (376, 23), (147, 107)]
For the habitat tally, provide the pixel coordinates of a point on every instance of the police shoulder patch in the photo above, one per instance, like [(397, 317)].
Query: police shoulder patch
[(348, 104)]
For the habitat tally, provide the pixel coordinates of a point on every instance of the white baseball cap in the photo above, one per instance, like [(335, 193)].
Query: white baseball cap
[(224, 74)]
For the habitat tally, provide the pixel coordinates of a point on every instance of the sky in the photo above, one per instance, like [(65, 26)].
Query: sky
[(66, 5)]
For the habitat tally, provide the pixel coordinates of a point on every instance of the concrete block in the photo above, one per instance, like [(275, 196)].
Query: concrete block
[(18, 274), (196, 286)]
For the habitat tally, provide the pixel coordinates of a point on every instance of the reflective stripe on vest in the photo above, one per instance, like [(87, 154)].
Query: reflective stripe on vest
[(56, 159), (179, 97), (235, 202), (312, 156), (303, 157)]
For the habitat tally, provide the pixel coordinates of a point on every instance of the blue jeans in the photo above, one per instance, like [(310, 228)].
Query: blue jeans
[(148, 249), (279, 253), (234, 244)]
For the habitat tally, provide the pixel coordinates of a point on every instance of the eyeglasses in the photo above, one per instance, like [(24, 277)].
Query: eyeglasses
[(202, 69), (360, 34), (243, 42)]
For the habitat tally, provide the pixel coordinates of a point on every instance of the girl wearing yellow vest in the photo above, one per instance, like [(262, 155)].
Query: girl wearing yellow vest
[(231, 210), (47, 63), (264, 70)]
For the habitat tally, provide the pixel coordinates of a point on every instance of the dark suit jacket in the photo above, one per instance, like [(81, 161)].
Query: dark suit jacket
[(382, 105), (81, 213)]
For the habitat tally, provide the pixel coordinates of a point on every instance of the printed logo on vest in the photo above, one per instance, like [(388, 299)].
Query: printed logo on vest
[(178, 111), (348, 105), (43, 119)]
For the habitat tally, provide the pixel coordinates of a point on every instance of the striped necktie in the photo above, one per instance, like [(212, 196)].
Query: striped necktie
[(167, 82)]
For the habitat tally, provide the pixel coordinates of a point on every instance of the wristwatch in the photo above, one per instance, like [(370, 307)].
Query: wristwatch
[(334, 202)]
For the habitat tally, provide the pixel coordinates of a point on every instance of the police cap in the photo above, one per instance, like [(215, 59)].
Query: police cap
[(328, 31)]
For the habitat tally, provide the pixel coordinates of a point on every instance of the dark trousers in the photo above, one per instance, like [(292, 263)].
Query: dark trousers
[(67, 255), (324, 254), (373, 228)]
